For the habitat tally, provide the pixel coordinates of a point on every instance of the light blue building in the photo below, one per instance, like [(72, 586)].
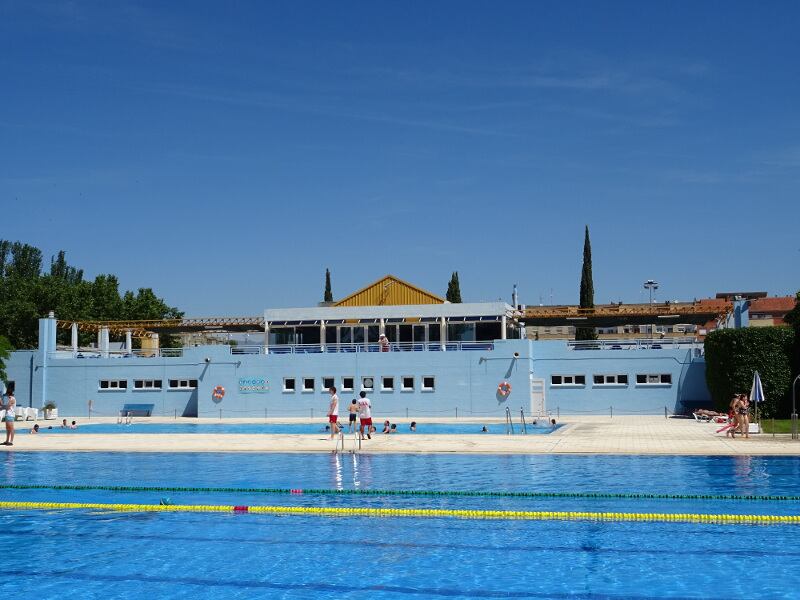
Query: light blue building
[(432, 359)]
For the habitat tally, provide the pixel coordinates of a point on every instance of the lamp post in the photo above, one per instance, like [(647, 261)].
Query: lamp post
[(651, 285), (794, 409)]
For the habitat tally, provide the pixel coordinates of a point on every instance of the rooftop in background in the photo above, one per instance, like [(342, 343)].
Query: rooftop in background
[(730, 296), (390, 291), (607, 315)]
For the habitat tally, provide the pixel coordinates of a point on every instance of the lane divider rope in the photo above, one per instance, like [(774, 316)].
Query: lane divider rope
[(379, 492), (413, 512)]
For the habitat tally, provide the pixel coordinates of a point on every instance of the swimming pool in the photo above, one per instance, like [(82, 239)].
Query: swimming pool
[(289, 428), (90, 554)]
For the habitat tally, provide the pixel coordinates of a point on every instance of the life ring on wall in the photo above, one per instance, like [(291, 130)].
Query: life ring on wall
[(218, 393), (504, 388)]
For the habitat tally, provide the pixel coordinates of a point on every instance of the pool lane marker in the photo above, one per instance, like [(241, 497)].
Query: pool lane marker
[(325, 511), (379, 492)]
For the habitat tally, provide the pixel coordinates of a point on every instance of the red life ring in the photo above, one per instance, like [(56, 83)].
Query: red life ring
[(218, 393), (504, 388)]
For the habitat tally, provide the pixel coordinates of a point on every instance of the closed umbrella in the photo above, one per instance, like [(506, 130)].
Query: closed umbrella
[(756, 393)]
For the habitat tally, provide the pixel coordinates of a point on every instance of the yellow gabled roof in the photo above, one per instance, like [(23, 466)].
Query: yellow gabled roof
[(390, 291)]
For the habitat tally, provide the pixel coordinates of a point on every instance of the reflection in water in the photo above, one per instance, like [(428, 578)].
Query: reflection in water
[(750, 474), (8, 467), (362, 470), (336, 470)]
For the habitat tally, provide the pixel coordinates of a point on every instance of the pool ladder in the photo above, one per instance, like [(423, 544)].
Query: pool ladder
[(510, 422), (340, 442)]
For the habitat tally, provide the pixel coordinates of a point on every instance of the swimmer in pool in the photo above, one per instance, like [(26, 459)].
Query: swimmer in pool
[(35, 429), (393, 428), (413, 426), (484, 429), (386, 427)]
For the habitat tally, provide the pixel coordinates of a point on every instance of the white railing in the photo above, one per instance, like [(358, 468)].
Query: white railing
[(94, 353), (349, 348), (634, 344)]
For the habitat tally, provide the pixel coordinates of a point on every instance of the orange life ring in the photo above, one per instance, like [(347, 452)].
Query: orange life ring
[(218, 393), (504, 388)]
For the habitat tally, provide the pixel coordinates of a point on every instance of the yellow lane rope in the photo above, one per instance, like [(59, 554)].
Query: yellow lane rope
[(413, 512)]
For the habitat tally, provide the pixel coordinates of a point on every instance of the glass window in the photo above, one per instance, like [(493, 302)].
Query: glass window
[(308, 384), (488, 331), (147, 384), (279, 336), (405, 333), (373, 331), (182, 384), (113, 384), (347, 384), (622, 379), (288, 384), (358, 335), (666, 378), (346, 335), (330, 335), (434, 332), (555, 380), (387, 384), (598, 380), (461, 332), (428, 383), (408, 384), (327, 383), (367, 383), (641, 378), (103, 384)]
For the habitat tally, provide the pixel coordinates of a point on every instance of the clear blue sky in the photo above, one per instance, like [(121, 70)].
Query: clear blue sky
[(225, 154)]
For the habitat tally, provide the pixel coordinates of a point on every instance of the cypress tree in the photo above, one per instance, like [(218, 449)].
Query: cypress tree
[(587, 289), (328, 297), (454, 289)]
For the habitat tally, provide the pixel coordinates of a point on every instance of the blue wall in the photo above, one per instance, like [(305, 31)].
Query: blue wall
[(464, 380)]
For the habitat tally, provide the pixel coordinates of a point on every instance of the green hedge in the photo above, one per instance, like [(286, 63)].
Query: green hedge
[(732, 355)]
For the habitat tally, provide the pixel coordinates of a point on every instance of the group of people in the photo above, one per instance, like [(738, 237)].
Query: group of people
[(739, 416), (64, 425), (360, 409)]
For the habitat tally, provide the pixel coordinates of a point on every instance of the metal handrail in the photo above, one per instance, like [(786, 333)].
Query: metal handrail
[(632, 344), (522, 417), (509, 422), (362, 347)]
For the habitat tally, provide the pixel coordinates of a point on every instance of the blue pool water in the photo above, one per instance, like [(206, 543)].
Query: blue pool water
[(84, 554), (302, 428)]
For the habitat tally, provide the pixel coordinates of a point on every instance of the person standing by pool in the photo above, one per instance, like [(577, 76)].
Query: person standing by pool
[(333, 411), (11, 407), (745, 414), (365, 414), (353, 408)]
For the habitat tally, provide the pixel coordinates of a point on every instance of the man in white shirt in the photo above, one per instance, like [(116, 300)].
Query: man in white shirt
[(333, 411), (365, 414)]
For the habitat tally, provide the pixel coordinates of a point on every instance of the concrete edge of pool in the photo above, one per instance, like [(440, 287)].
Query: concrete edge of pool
[(626, 434)]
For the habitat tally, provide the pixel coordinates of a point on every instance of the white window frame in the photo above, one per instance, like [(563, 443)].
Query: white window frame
[(364, 388), (383, 387), (294, 385), (570, 384), (403, 387), (148, 388), (606, 383), (422, 385), (188, 385), (345, 388), (324, 389), (659, 383), (304, 389), (113, 385)]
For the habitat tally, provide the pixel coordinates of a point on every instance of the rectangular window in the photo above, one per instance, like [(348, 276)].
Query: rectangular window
[(609, 380), (367, 384), (114, 384), (348, 383), (407, 384), (288, 384), (428, 383), (653, 379), (387, 384), (183, 384), (327, 383), (147, 384), (308, 384), (568, 380)]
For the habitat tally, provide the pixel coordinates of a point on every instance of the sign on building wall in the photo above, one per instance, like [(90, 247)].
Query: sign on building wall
[(253, 385)]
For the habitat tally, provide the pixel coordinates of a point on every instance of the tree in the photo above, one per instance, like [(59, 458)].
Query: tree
[(793, 318), (454, 289), (328, 293), (587, 289), (5, 352)]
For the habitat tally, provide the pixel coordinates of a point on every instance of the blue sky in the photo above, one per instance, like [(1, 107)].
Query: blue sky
[(225, 154)]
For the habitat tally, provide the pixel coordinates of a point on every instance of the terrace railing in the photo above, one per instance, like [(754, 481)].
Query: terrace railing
[(635, 344), (350, 348)]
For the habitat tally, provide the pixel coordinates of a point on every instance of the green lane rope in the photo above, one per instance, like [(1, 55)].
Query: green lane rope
[(379, 492), (326, 511)]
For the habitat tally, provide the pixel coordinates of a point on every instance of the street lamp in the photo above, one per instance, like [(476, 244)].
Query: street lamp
[(651, 285)]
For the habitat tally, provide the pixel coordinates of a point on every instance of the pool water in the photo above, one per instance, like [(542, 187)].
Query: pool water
[(89, 554), (290, 428)]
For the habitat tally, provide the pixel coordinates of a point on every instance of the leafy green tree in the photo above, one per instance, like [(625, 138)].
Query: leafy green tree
[(733, 355), (5, 352), (793, 318), (587, 289), (328, 297), (454, 289)]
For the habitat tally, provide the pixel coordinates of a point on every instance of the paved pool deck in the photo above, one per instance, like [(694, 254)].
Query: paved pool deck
[(579, 435)]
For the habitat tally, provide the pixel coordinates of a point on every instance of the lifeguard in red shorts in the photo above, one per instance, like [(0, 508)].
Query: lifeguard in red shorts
[(364, 414), (333, 411)]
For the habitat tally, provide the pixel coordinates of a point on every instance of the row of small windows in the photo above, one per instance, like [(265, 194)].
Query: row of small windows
[(368, 383), (611, 380), (148, 384)]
